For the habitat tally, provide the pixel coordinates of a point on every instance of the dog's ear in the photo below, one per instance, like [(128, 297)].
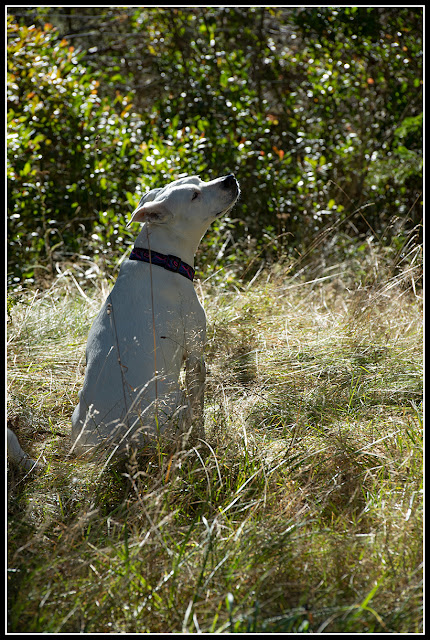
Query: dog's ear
[(150, 195), (155, 212)]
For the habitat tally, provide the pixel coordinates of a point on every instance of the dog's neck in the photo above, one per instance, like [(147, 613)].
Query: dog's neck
[(157, 238)]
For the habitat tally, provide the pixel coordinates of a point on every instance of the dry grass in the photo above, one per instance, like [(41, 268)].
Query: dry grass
[(301, 513)]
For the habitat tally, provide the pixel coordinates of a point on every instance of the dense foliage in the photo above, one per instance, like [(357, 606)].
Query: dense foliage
[(318, 111)]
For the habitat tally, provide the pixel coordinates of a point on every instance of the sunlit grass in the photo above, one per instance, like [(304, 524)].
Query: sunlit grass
[(302, 512)]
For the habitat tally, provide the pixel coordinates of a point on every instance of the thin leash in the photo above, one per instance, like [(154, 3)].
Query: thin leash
[(153, 328)]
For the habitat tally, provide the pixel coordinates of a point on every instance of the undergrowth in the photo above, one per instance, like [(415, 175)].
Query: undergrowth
[(302, 510)]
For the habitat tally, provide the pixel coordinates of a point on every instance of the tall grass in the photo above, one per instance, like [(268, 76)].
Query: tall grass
[(301, 512)]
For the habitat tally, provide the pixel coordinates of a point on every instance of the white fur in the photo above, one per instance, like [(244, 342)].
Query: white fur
[(151, 323)]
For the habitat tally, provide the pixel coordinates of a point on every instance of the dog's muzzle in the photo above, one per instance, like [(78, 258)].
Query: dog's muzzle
[(230, 184)]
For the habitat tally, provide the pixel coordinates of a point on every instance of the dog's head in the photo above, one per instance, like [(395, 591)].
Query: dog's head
[(189, 202)]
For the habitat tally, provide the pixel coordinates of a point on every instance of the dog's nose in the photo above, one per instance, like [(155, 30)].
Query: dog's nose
[(229, 181)]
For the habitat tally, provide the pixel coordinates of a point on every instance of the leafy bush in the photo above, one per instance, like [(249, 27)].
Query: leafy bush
[(317, 110), (71, 153)]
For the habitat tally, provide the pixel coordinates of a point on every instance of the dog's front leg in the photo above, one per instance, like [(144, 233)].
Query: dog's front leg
[(195, 376)]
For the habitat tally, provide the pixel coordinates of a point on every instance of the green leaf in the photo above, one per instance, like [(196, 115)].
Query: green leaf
[(26, 170)]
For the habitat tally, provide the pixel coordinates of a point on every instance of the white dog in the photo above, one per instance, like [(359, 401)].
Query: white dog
[(151, 323)]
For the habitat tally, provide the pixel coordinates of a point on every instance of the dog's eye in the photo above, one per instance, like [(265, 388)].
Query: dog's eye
[(195, 195)]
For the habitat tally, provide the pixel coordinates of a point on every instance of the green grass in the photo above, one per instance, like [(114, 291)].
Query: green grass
[(301, 513)]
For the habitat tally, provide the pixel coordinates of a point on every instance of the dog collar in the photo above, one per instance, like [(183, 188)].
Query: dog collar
[(171, 263)]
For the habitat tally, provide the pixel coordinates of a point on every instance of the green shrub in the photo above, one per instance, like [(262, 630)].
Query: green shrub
[(318, 111), (71, 153)]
